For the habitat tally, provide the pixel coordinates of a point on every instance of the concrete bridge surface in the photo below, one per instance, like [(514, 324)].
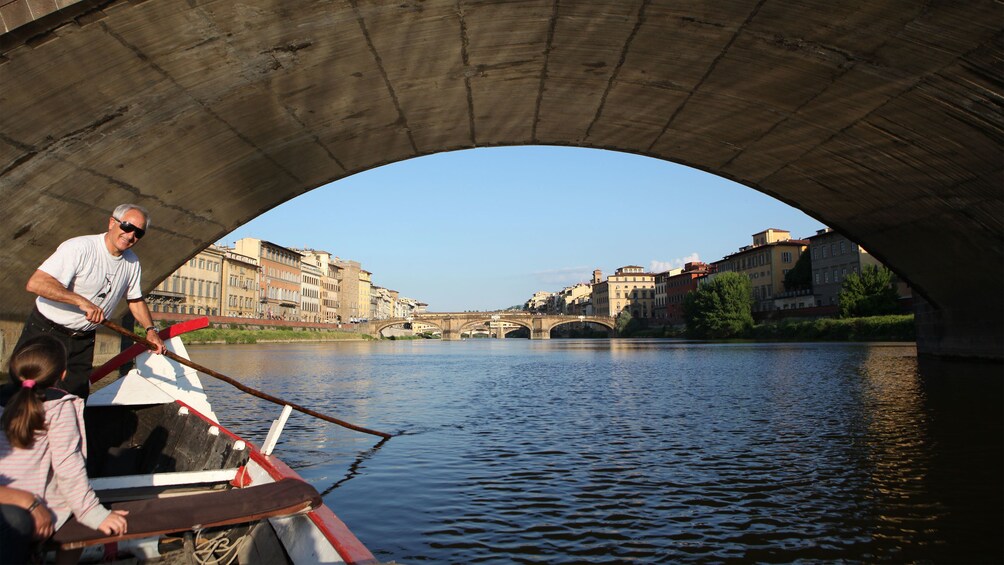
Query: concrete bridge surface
[(881, 119), (454, 324)]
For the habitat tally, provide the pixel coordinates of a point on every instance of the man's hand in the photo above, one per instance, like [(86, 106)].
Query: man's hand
[(47, 286), (43, 522), (91, 311), (153, 337)]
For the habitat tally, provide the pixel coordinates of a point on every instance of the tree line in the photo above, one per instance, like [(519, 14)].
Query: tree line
[(723, 307)]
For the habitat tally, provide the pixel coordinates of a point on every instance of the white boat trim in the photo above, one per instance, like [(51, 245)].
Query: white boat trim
[(164, 479)]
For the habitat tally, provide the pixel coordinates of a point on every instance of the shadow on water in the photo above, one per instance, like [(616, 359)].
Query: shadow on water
[(964, 403)]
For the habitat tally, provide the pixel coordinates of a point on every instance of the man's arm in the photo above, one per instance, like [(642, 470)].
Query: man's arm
[(142, 314), (47, 286), (39, 512)]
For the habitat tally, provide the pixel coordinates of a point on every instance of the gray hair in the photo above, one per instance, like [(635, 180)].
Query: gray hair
[(121, 209)]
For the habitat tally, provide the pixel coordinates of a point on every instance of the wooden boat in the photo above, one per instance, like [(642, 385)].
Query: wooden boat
[(195, 491)]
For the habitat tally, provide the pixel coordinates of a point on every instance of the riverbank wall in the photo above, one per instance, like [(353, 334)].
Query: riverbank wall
[(164, 319), (108, 344)]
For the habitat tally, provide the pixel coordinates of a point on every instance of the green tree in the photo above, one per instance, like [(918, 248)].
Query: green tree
[(624, 320), (869, 294), (720, 308), (800, 276)]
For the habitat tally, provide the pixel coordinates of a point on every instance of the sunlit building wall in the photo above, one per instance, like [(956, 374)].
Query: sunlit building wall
[(310, 292), (280, 281), (771, 256), (241, 276), (629, 288), (195, 288)]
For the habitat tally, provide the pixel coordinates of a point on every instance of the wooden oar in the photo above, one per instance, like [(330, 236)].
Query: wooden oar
[(265, 396)]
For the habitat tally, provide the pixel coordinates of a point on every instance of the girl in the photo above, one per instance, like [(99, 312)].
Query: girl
[(42, 448)]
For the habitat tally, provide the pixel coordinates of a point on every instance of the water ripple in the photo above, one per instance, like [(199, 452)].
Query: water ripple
[(639, 452)]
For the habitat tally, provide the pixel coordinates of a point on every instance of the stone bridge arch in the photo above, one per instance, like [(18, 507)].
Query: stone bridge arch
[(606, 322), (476, 323), (377, 327), (881, 120)]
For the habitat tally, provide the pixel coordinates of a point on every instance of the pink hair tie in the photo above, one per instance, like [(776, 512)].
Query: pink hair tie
[(28, 383)]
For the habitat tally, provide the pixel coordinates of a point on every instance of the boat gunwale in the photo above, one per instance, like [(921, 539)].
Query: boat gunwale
[(348, 546)]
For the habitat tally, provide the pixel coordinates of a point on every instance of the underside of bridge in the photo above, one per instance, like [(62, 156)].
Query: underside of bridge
[(881, 119)]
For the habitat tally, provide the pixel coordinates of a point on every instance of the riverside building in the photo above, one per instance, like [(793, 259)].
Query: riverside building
[(833, 258), (678, 284), (241, 278), (771, 256), (280, 282), (194, 288), (629, 288)]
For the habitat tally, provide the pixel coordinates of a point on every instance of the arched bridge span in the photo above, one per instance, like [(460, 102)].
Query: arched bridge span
[(453, 324), (883, 120)]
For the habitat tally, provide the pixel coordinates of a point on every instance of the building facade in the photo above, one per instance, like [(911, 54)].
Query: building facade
[(659, 306), (538, 302), (242, 281), (347, 277), (364, 302), (280, 281), (629, 288), (833, 258), (678, 286), (328, 299), (310, 292), (194, 288), (573, 300), (771, 256), (382, 302)]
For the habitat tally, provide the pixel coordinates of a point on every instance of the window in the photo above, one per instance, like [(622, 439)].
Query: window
[(843, 247), (786, 256)]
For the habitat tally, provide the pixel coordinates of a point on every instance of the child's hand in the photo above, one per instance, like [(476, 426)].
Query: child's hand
[(115, 523)]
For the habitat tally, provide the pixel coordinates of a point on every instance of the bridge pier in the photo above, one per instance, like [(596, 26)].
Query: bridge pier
[(973, 333), (539, 329)]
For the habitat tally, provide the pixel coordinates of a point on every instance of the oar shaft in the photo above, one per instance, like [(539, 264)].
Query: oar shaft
[(254, 392)]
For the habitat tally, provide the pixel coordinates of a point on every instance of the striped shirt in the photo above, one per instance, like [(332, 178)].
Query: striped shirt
[(55, 468)]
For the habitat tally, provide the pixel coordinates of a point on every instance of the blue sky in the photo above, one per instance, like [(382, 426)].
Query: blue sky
[(485, 228)]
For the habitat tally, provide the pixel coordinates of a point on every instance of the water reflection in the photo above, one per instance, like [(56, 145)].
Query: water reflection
[(631, 450)]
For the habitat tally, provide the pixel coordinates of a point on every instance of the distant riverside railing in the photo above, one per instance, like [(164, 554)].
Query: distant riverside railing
[(172, 317)]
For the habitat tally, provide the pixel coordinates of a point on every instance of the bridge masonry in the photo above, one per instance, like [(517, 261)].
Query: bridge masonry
[(881, 120), (454, 325)]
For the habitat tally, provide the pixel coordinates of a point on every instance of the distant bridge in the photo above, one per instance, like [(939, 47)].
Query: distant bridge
[(454, 324)]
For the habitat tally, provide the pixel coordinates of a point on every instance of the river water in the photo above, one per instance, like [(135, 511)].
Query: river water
[(646, 451)]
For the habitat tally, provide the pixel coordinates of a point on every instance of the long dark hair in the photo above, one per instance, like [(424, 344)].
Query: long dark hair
[(41, 361)]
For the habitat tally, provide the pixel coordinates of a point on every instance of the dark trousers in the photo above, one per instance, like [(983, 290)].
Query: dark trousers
[(79, 351), (17, 528)]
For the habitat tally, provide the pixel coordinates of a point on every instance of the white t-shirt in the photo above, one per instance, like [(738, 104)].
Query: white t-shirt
[(84, 266)]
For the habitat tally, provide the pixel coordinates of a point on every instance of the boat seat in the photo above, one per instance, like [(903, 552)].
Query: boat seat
[(156, 516)]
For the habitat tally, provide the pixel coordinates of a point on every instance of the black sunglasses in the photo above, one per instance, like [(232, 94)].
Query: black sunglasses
[(125, 226)]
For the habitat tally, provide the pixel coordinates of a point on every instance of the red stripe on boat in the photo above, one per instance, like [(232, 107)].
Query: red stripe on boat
[(130, 353)]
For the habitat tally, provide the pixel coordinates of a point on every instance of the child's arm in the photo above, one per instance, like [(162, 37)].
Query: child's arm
[(66, 431)]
